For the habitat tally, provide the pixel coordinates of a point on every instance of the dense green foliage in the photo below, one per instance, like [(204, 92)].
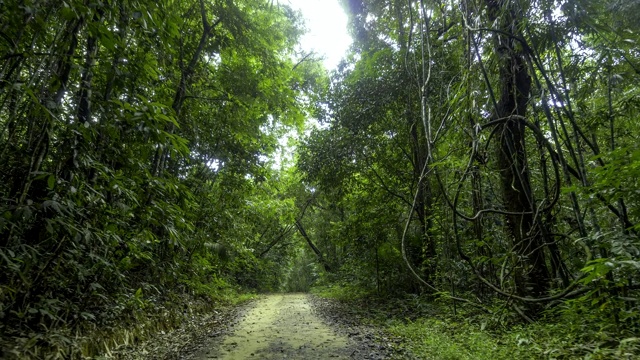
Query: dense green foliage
[(484, 152), (417, 327), (134, 140), (477, 153)]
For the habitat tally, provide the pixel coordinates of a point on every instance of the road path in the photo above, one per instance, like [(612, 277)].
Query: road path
[(280, 326)]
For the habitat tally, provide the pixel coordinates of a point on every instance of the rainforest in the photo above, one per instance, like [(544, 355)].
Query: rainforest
[(463, 185)]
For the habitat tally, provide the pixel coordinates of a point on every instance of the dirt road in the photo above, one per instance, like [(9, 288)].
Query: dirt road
[(280, 326)]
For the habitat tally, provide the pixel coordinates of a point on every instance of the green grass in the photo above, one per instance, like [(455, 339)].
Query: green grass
[(451, 339), (436, 339)]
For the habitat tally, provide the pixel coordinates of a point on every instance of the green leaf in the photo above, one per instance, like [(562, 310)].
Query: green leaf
[(51, 181)]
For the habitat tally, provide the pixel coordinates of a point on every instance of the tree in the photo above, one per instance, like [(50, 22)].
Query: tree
[(494, 115), (133, 135)]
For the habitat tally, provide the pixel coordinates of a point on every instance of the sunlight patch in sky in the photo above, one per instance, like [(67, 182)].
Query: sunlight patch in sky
[(327, 34)]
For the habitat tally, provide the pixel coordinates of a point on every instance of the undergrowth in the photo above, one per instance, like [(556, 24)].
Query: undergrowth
[(428, 328), (144, 317)]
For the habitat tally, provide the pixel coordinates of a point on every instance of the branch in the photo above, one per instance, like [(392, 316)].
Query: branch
[(387, 189), (282, 235), (304, 58), (312, 245)]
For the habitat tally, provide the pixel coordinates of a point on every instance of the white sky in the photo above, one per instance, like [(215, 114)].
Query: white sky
[(327, 34)]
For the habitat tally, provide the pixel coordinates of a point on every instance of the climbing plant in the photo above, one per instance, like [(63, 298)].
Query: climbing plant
[(493, 133)]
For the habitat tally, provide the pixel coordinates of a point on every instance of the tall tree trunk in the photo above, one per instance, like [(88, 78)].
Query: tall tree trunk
[(531, 275)]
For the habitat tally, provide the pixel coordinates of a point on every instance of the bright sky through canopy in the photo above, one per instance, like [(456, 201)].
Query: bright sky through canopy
[(327, 33)]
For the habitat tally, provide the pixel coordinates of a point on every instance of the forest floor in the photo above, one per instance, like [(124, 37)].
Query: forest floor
[(277, 326)]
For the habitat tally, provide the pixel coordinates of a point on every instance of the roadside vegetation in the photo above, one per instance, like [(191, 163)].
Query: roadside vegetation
[(478, 159), (418, 327), (470, 170), (136, 189)]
